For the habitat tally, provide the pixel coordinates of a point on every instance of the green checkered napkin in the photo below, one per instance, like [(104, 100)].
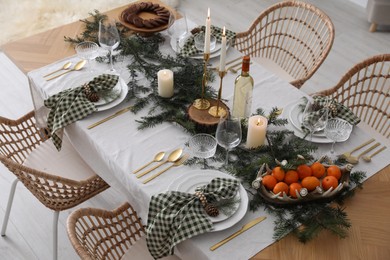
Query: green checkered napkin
[(340, 111), (71, 105), (189, 48), (175, 216)]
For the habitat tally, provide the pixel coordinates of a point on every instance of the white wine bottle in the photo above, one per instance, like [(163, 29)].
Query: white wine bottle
[(243, 88)]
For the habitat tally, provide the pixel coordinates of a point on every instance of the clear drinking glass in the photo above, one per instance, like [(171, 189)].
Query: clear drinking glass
[(203, 146), (314, 118), (108, 37), (229, 134), (177, 29), (88, 51), (337, 130)]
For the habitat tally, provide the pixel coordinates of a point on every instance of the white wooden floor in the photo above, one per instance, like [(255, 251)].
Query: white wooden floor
[(30, 227)]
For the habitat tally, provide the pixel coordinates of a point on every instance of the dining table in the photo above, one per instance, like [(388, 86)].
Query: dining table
[(116, 148)]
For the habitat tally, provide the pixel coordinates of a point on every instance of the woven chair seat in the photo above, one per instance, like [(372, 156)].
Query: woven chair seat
[(296, 36)]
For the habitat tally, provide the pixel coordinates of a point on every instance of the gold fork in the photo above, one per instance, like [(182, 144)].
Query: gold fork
[(176, 163)]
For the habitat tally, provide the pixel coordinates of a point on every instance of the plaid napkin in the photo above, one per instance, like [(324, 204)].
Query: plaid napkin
[(334, 108), (189, 48), (175, 216), (71, 105)]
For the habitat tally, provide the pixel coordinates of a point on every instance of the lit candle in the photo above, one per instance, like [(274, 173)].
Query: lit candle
[(222, 61), (207, 33), (165, 83), (257, 127)]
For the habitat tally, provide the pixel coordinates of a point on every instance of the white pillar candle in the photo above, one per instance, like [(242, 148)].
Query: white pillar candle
[(207, 33), (222, 60), (165, 83), (257, 127)]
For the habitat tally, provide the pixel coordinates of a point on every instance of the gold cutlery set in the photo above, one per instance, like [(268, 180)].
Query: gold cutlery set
[(355, 159), (79, 65), (176, 157), (120, 112)]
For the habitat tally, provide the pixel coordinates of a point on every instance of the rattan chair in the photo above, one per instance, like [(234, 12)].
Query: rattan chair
[(59, 180), (101, 234), (290, 38), (365, 89)]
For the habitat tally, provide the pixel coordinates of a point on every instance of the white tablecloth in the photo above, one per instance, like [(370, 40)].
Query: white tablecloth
[(116, 148)]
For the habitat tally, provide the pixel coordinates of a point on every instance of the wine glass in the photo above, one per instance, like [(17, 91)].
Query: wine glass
[(338, 130), (88, 51), (315, 116), (229, 134), (108, 37), (203, 146), (177, 29)]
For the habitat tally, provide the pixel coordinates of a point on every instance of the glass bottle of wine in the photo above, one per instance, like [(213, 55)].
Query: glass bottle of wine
[(243, 88)]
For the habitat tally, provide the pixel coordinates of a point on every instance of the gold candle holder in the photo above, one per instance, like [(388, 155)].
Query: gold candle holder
[(202, 103), (218, 111)]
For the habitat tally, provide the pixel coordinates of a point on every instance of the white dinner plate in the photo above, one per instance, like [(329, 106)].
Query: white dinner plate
[(291, 113), (208, 175), (103, 104), (190, 185)]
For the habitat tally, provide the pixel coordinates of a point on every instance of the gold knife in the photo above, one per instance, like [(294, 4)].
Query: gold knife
[(111, 117), (239, 232)]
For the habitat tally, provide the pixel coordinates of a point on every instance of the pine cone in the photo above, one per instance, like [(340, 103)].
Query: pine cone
[(202, 198), (211, 210), (333, 109), (90, 95)]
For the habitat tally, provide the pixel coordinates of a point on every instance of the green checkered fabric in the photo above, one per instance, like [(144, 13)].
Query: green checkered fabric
[(324, 103), (175, 216), (189, 48), (71, 105)]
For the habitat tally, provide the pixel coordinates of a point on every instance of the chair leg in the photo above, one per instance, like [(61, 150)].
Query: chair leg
[(9, 205), (55, 235), (373, 27)]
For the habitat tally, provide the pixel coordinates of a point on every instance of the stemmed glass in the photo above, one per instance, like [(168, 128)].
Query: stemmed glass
[(338, 130), (203, 146), (88, 51), (108, 37), (229, 134), (314, 118), (177, 29)]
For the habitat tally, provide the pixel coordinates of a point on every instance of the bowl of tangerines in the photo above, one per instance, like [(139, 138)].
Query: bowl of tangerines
[(305, 183)]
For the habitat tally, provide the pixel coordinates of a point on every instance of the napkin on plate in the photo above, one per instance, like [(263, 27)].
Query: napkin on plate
[(175, 216), (335, 110), (189, 48), (71, 105)]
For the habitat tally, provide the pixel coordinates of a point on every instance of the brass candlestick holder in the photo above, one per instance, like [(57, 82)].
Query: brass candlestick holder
[(202, 103), (218, 111)]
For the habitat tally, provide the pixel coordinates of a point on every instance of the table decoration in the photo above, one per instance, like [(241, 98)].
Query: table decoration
[(71, 105), (218, 110), (165, 83), (173, 215), (257, 127)]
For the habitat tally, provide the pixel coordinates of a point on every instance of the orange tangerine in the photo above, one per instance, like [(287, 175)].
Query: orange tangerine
[(329, 182), (269, 182), (303, 171), (310, 183), (317, 169), (334, 171), (293, 188), (291, 177), (281, 187), (278, 173)]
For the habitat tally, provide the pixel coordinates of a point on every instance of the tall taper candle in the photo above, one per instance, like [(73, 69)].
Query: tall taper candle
[(207, 33), (222, 61)]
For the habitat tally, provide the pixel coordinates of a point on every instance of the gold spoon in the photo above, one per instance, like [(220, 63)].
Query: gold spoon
[(367, 158), (158, 157), (64, 67), (79, 65), (173, 156), (347, 155), (355, 160)]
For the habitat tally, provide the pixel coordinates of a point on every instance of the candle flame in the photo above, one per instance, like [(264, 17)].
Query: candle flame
[(224, 30), (259, 122), (208, 13)]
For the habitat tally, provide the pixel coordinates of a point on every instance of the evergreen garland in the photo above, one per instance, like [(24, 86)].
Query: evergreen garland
[(305, 221)]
